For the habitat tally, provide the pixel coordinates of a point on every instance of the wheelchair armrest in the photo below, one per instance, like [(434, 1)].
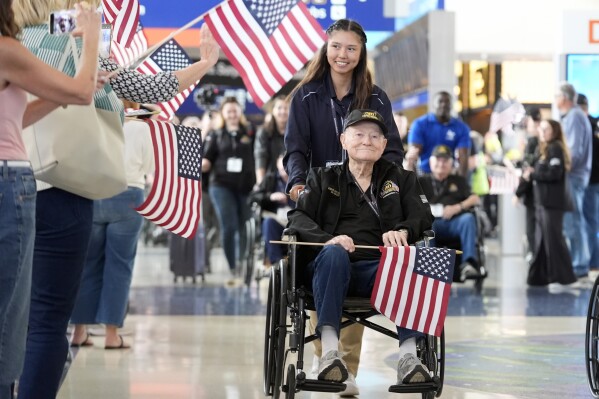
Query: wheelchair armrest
[(430, 234)]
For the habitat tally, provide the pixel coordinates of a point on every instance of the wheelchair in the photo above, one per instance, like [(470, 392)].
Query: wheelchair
[(286, 316), (454, 243), (591, 344), (253, 243)]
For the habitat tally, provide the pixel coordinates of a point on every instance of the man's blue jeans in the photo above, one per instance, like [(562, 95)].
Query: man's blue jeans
[(232, 211), (334, 277), (272, 230), (575, 229), (63, 226), (591, 215), (107, 273), (17, 233), (463, 226)]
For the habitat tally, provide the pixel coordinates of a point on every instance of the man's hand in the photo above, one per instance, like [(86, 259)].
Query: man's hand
[(345, 241), (294, 192), (395, 238), (450, 211)]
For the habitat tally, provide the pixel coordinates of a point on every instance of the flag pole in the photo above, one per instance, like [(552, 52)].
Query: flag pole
[(320, 244), (149, 51)]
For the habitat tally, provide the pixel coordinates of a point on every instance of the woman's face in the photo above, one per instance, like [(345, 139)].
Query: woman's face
[(343, 51), (231, 114), (280, 111), (545, 132)]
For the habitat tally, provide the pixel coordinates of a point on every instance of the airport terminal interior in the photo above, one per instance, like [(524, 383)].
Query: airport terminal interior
[(206, 340)]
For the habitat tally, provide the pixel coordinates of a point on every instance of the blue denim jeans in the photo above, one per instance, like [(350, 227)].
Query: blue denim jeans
[(272, 230), (17, 232), (575, 229), (232, 210), (334, 277), (463, 226), (63, 226), (591, 216), (106, 279)]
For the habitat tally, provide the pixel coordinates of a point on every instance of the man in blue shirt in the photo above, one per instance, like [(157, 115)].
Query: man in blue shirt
[(434, 129), (579, 138)]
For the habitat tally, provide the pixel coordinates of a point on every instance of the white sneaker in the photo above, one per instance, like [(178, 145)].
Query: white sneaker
[(410, 370), (351, 388), (315, 366), (332, 367)]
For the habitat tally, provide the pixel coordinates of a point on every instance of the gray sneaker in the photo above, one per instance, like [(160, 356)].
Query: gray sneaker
[(467, 270), (410, 370), (332, 367)]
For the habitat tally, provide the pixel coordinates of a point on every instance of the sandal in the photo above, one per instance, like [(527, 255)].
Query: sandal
[(86, 342), (121, 346)]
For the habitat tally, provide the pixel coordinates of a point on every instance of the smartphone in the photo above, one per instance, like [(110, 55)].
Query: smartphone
[(105, 40), (62, 22)]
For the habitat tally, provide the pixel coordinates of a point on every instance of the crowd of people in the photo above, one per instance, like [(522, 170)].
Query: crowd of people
[(69, 259)]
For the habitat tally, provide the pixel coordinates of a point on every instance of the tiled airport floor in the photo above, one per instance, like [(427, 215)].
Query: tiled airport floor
[(206, 341)]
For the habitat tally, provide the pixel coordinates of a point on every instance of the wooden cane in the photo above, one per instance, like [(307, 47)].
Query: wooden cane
[(320, 244)]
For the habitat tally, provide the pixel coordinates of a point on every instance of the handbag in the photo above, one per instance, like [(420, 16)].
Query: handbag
[(79, 149)]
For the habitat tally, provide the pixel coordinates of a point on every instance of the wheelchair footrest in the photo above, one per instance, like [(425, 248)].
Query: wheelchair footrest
[(417, 387), (319, 385)]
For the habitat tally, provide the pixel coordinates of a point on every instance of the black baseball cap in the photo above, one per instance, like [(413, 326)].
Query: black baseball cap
[(360, 115), (442, 151)]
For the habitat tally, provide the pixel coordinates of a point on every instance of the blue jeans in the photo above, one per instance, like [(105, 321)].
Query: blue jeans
[(575, 228), (591, 216), (106, 280), (334, 277), (232, 211), (463, 226), (17, 232), (63, 226), (272, 230)]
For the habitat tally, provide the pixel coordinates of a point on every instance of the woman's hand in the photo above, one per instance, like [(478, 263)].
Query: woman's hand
[(88, 21), (209, 48), (395, 238), (295, 191), (345, 241), (526, 173)]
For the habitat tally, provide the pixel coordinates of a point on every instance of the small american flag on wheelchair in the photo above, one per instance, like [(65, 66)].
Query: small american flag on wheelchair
[(412, 287)]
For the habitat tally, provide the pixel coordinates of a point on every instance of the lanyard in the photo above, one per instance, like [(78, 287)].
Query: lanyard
[(439, 187), (369, 197), (337, 130)]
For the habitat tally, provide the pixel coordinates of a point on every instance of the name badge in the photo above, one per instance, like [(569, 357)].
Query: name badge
[(437, 210), (234, 165)]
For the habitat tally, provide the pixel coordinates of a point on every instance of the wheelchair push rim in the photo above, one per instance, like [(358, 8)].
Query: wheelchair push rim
[(592, 341)]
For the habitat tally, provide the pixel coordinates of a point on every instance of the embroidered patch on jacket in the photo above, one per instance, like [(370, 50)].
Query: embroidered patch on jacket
[(336, 193), (424, 200), (453, 188), (389, 188)]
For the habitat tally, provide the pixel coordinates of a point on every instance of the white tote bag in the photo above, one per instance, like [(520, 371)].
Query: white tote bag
[(79, 149)]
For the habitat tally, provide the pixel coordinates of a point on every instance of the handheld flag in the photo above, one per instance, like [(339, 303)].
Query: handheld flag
[(123, 15), (174, 200), (266, 41), (412, 287)]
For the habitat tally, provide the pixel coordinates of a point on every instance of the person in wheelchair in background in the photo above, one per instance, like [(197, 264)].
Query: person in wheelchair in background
[(450, 200), (274, 204), (366, 200)]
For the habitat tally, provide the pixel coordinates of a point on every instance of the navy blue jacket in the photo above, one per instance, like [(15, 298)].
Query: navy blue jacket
[(312, 134)]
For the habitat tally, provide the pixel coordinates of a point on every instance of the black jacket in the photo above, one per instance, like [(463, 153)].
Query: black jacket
[(318, 209), (549, 180), (311, 137)]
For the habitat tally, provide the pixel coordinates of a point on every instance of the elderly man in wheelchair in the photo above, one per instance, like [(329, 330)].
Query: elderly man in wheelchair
[(366, 200), (451, 202)]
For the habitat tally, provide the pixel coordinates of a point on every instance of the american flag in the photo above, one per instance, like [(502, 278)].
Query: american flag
[(174, 200), (123, 15), (267, 41), (168, 58), (412, 287), (126, 55)]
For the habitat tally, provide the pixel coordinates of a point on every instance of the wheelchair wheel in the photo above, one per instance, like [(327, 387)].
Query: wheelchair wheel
[(290, 394), (591, 347), (250, 239), (431, 351), (275, 333)]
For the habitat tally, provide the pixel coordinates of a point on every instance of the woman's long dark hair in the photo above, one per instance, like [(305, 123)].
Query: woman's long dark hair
[(319, 66), (8, 27), (558, 137)]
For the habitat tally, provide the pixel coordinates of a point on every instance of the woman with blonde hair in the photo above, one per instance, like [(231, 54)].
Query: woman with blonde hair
[(64, 219), (269, 138), (551, 264), (20, 71)]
